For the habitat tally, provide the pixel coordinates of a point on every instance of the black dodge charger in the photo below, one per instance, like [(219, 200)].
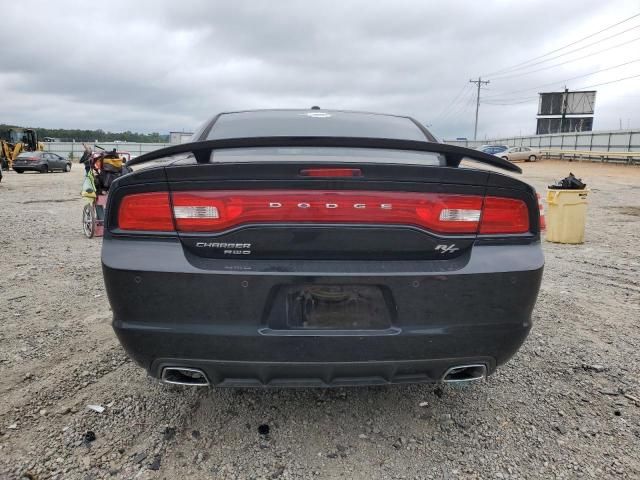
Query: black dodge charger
[(320, 248)]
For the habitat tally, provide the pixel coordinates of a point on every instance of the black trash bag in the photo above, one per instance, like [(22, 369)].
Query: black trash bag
[(104, 179), (108, 174), (569, 183)]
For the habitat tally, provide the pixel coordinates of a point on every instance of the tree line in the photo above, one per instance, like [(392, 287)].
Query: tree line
[(69, 135)]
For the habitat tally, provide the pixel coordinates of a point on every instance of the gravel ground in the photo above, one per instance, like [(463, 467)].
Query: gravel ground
[(566, 406)]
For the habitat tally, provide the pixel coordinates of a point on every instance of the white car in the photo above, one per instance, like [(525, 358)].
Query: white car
[(514, 154)]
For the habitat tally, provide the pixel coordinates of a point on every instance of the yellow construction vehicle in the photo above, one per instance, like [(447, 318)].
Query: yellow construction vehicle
[(14, 141)]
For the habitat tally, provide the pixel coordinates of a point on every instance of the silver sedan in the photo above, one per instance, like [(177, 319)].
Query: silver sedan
[(514, 154)]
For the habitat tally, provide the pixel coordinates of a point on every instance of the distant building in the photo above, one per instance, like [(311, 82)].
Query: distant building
[(562, 112), (179, 137)]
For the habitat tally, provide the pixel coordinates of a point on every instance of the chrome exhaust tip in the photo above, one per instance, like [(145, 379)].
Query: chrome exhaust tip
[(184, 376), (465, 373)]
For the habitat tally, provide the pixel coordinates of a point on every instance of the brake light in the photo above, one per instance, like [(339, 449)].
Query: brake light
[(146, 212), (504, 215), (331, 172), (219, 210)]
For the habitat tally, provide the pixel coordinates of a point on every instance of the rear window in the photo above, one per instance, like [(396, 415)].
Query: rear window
[(318, 123), (326, 154)]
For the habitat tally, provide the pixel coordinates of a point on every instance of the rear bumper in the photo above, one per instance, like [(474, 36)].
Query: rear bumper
[(32, 167), (215, 316), (319, 374)]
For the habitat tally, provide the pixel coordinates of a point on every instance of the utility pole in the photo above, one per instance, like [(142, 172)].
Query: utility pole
[(478, 82), (565, 101)]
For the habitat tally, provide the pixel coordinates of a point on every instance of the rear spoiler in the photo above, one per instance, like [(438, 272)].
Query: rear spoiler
[(452, 153)]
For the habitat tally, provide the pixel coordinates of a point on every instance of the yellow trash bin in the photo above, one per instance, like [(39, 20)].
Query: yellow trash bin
[(566, 214)]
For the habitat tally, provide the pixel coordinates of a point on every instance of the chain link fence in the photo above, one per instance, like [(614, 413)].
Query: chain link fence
[(74, 149), (603, 141)]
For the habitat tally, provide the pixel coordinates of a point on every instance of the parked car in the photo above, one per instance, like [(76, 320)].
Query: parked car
[(493, 149), (515, 154), (42, 162), (320, 248)]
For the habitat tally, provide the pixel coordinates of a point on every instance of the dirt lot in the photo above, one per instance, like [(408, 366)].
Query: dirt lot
[(567, 406)]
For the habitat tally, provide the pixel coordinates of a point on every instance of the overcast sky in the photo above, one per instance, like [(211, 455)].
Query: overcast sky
[(167, 65)]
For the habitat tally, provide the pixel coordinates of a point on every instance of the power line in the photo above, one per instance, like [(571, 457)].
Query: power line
[(567, 61), (470, 102), (515, 101), (457, 110), (576, 49), (564, 46), (562, 81), (461, 105), (607, 83), (448, 107)]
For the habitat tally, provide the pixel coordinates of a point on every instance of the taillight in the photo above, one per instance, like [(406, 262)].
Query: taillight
[(215, 211), (219, 210), (504, 215), (146, 211), (543, 223)]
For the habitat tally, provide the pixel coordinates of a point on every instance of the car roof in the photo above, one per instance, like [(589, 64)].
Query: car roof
[(31, 154), (312, 122)]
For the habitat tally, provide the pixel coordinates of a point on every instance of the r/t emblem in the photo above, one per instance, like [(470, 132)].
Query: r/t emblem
[(447, 248)]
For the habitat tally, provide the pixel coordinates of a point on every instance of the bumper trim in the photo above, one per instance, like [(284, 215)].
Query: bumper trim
[(223, 373)]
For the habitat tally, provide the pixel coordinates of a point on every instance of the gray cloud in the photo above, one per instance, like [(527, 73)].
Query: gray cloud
[(160, 66)]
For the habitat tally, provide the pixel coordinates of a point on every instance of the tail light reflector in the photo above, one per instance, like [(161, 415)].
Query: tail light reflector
[(504, 215), (219, 210), (146, 212)]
